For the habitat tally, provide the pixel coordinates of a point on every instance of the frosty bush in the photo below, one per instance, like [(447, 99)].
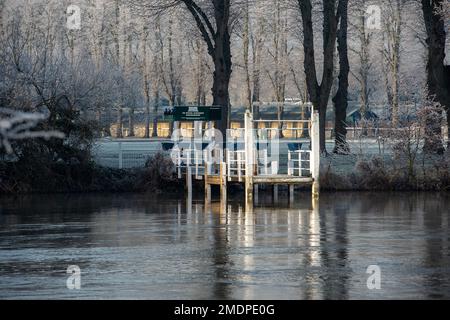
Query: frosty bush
[(17, 125)]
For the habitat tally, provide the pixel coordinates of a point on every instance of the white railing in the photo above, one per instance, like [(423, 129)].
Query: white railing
[(235, 164), (299, 162), (193, 158), (197, 159)]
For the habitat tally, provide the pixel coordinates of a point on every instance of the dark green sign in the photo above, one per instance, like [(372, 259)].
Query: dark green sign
[(197, 114)]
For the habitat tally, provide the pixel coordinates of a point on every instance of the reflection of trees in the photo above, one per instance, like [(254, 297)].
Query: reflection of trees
[(337, 267), (220, 248), (435, 282)]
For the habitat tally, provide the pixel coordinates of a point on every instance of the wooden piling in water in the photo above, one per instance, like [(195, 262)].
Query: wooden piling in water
[(315, 154), (207, 184), (249, 157), (223, 182)]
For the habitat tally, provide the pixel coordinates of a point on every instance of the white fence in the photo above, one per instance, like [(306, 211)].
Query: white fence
[(124, 154)]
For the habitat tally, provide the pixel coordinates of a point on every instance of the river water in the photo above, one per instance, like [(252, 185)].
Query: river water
[(153, 247)]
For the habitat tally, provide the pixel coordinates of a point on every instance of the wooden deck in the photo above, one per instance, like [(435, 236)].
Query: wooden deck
[(282, 179), (223, 166), (263, 179)]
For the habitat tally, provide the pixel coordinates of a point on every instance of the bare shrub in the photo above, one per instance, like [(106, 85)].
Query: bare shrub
[(372, 174), (430, 117), (333, 181), (159, 171)]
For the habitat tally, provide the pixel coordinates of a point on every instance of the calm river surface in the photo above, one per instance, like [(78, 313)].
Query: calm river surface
[(149, 247)]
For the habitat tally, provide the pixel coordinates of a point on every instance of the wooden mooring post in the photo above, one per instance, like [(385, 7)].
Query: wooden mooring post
[(208, 168), (249, 160), (223, 182), (315, 154), (189, 181)]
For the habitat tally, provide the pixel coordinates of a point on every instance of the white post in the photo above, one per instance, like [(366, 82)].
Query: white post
[(228, 165), (249, 157), (189, 182), (266, 162), (239, 162), (291, 165), (291, 193), (223, 182), (188, 158), (275, 193), (315, 153), (179, 164), (195, 162), (207, 185)]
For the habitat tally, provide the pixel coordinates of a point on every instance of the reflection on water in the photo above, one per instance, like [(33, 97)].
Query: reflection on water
[(142, 247)]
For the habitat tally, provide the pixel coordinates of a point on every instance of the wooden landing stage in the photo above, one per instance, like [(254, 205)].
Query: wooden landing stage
[(257, 163)]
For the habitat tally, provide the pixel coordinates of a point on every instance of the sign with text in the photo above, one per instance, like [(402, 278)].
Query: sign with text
[(197, 113)]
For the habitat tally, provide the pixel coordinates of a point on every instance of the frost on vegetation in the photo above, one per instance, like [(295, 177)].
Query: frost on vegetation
[(18, 125)]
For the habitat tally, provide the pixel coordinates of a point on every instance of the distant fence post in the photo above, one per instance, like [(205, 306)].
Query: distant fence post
[(120, 156)]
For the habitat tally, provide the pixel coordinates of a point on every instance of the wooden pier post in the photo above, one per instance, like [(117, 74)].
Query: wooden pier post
[(315, 153), (207, 185), (189, 181), (223, 182), (275, 193), (249, 157), (291, 193)]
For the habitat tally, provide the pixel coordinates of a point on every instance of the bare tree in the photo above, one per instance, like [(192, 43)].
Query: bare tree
[(213, 22), (392, 31), (438, 74), (257, 40), (246, 45), (364, 70), (278, 51), (341, 98), (319, 93)]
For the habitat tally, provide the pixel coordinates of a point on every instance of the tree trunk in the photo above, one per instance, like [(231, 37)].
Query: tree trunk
[(147, 121), (146, 86), (392, 36), (131, 123), (219, 48), (256, 55), (155, 127), (246, 44), (438, 77), (340, 99), (117, 31), (120, 123), (222, 62), (319, 94)]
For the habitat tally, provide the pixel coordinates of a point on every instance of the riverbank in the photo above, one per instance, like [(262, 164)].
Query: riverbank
[(338, 173), (24, 178), (385, 173)]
